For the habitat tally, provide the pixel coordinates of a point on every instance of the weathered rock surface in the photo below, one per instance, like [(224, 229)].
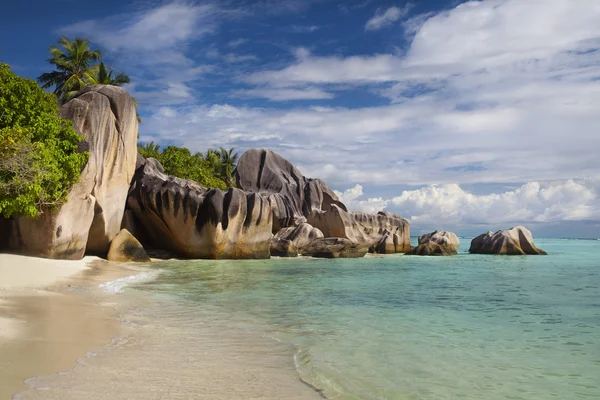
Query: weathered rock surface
[(334, 248), (515, 241), (291, 194), (106, 118), (383, 232), (283, 248), (126, 248), (188, 220), (294, 238), (438, 243)]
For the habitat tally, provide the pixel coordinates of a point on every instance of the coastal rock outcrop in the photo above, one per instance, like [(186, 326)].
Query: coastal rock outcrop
[(438, 243), (189, 220), (516, 241), (126, 248), (292, 196), (106, 118), (383, 232), (334, 248), (293, 239), (295, 199)]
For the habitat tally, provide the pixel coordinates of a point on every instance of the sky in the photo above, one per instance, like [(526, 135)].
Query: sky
[(460, 115)]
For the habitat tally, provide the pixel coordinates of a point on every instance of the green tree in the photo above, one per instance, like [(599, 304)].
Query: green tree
[(105, 76), (178, 161), (149, 150), (39, 158), (74, 65), (227, 161)]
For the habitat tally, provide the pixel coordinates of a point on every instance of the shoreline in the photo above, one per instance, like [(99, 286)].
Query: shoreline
[(51, 315)]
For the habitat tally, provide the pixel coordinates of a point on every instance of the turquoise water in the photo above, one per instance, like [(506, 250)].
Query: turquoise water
[(400, 327)]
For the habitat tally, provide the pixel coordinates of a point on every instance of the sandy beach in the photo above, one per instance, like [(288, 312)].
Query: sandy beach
[(48, 320)]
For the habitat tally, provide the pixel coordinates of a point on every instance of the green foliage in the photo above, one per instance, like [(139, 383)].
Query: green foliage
[(39, 162), (223, 163), (149, 150), (76, 66), (105, 77), (180, 162)]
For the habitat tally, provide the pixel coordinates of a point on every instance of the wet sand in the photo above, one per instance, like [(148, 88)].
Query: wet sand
[(69, 341), (44, 330)]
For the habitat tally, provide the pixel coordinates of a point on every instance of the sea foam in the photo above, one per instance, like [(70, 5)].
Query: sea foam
[(118, 285)]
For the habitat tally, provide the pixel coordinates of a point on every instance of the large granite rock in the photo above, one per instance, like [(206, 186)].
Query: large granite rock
[(438, 243), (384, 233), (106, 118), (334, 248), (289, 241), (295, 199), (291, 194), (126, 248), (515, 241), (188, 220)]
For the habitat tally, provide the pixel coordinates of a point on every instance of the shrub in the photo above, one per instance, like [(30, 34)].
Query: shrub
[(39, 161)]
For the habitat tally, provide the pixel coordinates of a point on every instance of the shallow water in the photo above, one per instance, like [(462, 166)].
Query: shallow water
[(393, 327)]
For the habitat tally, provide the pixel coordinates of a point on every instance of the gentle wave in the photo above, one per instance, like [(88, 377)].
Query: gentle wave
[(118, 285)]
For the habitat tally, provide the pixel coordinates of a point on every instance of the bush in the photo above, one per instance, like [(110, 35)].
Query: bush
[(39, 161), (179, 162)]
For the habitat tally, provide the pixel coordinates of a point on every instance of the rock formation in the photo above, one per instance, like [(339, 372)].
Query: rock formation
[(334, 248), (295, 198), (289, 241), (106, 118), (126, 248), (188, 220), (515, 241), (438, 243), (384, 233), (292, 196)]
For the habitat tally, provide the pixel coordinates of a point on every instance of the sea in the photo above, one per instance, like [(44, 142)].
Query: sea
[(381, 327)]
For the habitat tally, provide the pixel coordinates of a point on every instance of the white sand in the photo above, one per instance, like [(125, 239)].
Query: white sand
[(44, 328), (20, 272)]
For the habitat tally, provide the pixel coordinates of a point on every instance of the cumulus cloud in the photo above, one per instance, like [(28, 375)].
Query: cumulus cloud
[(533, 202), (350, 197), (384, 18)]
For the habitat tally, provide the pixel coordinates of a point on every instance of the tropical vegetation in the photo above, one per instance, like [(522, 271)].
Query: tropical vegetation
[(77, 66), (39, 160), (213, 169)]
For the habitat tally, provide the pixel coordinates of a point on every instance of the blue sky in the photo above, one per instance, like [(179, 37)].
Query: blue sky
[(459, 115)]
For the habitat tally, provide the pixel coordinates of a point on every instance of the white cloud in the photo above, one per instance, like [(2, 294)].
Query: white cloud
[(153, 29), (303, 28), (237, 42), (384, 18), (533, 202), (350, 198), (277, 94)]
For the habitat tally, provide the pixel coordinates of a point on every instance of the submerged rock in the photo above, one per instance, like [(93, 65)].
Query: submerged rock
[(106, 118), (334, 248), (189, 220), (438, 243), (126, 248), (515, 241)]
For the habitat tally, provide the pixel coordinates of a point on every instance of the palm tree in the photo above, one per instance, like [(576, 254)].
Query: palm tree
[(228, 160), (214, 160), (149, 149), (74, 67), (104, 77)]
